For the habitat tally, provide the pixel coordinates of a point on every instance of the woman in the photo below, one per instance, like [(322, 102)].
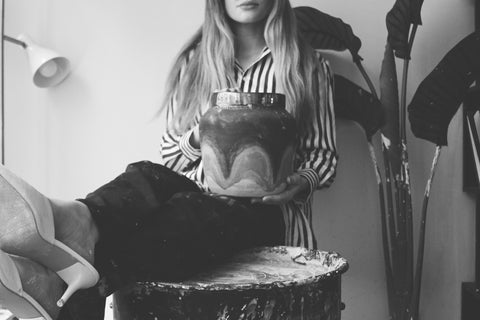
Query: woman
[(153, 223)]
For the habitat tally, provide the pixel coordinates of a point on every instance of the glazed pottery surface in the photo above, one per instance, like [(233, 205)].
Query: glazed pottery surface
[(248, 143)]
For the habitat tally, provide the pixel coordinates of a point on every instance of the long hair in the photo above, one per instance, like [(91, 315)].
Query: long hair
[(206, 63)]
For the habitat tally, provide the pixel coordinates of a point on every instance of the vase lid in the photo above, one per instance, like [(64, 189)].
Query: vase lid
[(228, 99)]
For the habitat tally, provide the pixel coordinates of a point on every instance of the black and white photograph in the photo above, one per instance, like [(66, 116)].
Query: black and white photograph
[(240, 160)]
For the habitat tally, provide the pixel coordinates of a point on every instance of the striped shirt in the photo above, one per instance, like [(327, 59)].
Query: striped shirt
[(316, 156)]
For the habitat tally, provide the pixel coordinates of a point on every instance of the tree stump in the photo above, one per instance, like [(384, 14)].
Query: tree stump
[(267, 283)]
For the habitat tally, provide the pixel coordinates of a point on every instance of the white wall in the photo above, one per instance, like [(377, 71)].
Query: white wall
[(71, 139)]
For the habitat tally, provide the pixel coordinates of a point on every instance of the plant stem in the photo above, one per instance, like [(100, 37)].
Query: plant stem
[(403, 96), (367, 79), (403, 102), (404, 216), (390, 207), (408, 224), (414, 306), (383, 218), (390, 251), (392, 243)]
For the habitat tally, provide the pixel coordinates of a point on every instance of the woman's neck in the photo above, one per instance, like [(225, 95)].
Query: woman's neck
[(249, 42)]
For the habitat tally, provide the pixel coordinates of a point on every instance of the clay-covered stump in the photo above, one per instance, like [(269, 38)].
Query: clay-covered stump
[(261, 283)]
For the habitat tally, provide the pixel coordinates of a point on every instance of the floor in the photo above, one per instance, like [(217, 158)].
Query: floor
[(6, 315)]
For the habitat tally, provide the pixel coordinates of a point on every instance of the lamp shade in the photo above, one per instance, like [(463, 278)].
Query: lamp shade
[(48, 67)]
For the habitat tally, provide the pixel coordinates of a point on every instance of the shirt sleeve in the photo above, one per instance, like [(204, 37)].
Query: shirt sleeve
[(177, 153), (317, 146)]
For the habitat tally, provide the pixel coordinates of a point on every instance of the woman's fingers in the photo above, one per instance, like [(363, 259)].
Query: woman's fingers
[(294, 184), (228, 90), (293, 179), (280, 198)]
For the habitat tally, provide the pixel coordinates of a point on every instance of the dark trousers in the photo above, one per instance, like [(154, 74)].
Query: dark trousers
[(157, 225)]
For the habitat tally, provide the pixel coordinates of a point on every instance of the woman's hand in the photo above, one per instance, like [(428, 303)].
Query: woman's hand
[(195, 137), (296, 184), (236, 89)]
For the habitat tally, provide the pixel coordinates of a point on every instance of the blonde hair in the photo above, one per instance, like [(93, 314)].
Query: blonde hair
[(206, 63)]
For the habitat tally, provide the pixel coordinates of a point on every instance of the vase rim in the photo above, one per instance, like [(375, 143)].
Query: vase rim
[(250, 99)]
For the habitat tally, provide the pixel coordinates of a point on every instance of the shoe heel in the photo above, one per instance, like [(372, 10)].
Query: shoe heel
[(71, 289), (77, 276)]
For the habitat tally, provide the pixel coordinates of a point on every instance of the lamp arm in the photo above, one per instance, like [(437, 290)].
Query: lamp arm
[(13, 40), (2, 85)]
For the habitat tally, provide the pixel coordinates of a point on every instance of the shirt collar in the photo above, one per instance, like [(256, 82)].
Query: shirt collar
[(265, 52)]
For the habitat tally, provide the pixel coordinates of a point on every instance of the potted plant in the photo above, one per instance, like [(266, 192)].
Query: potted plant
[(431, 109)]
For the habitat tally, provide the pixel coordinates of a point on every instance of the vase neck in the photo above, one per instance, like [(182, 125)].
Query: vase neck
[(229, 99)]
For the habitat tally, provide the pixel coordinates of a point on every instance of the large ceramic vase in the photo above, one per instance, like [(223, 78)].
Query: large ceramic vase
[(248, 143)]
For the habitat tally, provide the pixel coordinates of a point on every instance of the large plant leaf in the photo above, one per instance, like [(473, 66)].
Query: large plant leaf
[(390, 102), (356, 104), (323, 31), (399, 18), (438, 97), (415, 12)]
